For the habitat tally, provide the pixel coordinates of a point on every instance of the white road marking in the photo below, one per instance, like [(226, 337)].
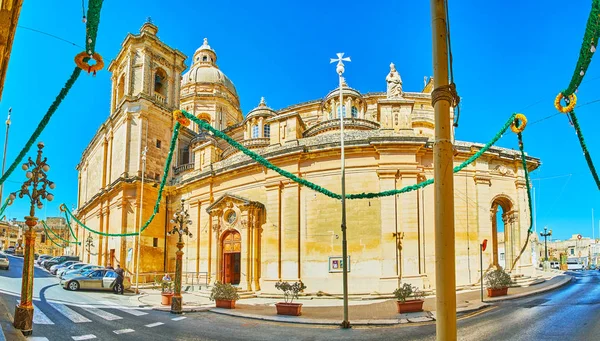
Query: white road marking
[(124, 309), (156, 324), (70, 314), (38, 316), (37, 338), (178, 318), (123, 331), (104, 314), (3, 338), (84, 337)]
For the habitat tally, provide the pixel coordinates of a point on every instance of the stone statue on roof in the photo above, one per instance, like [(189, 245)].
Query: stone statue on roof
[(394, 83)]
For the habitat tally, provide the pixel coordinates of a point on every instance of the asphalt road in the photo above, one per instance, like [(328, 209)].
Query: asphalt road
[(569, 313)]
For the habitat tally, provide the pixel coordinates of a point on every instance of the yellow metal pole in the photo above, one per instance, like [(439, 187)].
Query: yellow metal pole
[(445, 278)]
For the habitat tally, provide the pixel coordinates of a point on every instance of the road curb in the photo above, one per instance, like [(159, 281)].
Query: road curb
[(6, 318), (326, 322), (554, 286)]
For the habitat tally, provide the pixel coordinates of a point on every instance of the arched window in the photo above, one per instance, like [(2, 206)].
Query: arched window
[(255, 131), (354, 112), (267, 130), (343, 109), (205, 58), (160, 82)]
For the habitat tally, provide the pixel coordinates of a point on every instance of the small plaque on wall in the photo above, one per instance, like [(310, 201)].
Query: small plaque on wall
[(336, 264)]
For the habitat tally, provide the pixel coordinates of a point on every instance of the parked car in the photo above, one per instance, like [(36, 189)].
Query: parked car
[(55, 267), (59, 260), (42, 258), (574, 265), (80, 271), (101, 279), (10, 250), (4, 262), (74, 266)]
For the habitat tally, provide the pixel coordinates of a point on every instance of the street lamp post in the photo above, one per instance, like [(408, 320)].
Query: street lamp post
[(5, 146), (36, 175), (89, 244), (342, 113), (546, 234), (139, 236), (181, 219)]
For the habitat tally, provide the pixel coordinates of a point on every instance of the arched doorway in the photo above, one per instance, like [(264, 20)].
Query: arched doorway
[(232, 254), (502, 234)]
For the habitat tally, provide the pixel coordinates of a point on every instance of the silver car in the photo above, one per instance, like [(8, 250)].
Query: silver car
[(79, 271), (75, 266), (4, 262), (101, 279), (54, 268)]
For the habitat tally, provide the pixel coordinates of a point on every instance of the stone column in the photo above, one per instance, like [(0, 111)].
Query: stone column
[(388, 246), (483, 181), (408, 227), (257, 249), (271, 243), (290, 224)]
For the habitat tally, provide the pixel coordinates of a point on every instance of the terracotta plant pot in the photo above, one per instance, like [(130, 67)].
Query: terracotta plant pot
[(291, 309), (166, 299), (411, 306), (227, 304), (497, 292)]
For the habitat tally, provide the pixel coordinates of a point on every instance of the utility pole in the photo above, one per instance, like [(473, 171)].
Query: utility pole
[(442, 97), (342, 112), (5, 146)]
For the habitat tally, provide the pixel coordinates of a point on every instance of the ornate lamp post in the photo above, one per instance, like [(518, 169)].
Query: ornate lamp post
[(546, 234), (38, 181), (89, 244), (181, 219)]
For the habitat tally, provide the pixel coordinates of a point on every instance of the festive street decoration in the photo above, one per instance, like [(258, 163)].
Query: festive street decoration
[(180, 117), (571, 101), (82, 60), (519, 124), (57, 236)]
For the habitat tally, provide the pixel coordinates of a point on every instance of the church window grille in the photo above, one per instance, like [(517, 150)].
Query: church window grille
[(255, 131), (267, 130), (343, 109), (158, 143), (354, 112)]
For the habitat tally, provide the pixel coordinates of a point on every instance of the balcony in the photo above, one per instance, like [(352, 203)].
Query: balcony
[(250, 144), (160, 98), (334, 124), (183, 168)]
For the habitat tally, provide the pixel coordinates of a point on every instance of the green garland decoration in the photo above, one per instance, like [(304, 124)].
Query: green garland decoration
[(93, 21), (4, 206), (57, 236), (589, 45), (68, 212), (590, 38), (530, 230), (325, 191), (70, 228), (53, 242), (586, 153)]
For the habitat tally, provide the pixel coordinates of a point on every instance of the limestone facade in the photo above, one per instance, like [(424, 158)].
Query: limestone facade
[(254, 227)]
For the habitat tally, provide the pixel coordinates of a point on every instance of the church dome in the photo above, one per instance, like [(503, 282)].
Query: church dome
[(204, 69)]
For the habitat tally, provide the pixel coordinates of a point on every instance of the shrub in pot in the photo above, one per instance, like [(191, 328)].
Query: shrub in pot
[(290, 292), (166, 288), (224, 295), (409, 299), (497, 282)]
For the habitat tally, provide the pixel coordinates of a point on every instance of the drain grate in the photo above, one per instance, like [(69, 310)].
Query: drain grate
[(535, 303)]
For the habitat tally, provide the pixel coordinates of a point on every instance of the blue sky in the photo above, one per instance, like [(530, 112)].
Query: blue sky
[(507, 58)]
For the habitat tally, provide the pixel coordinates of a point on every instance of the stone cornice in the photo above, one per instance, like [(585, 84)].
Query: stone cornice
[(484, 179)]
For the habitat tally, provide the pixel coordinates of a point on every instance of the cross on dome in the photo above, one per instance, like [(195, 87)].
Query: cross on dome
[(262, 102)]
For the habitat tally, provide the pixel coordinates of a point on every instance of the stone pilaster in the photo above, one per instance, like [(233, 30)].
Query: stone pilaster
[(388, 245), (409, 230)]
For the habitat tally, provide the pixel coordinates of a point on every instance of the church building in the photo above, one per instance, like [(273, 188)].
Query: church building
[(252, 227)]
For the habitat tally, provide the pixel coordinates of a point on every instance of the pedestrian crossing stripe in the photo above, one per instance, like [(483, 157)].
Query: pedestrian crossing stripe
[(178, 318), (69, 313), (38, 316), (103, 314), (123, 309), (3, 338), (84, 337), (156, 324), (123, 331)]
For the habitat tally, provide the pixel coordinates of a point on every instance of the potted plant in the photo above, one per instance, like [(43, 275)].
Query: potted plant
[(225, 295), (166, 292), (290, 292), (410, 299), (497, 282)]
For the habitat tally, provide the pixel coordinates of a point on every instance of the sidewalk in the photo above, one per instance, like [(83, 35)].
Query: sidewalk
[(7, 331), (329, 311)]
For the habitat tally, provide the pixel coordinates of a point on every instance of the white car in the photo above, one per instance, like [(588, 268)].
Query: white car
[(574, 265), (75, 266), (4, 262), (54, 268)]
